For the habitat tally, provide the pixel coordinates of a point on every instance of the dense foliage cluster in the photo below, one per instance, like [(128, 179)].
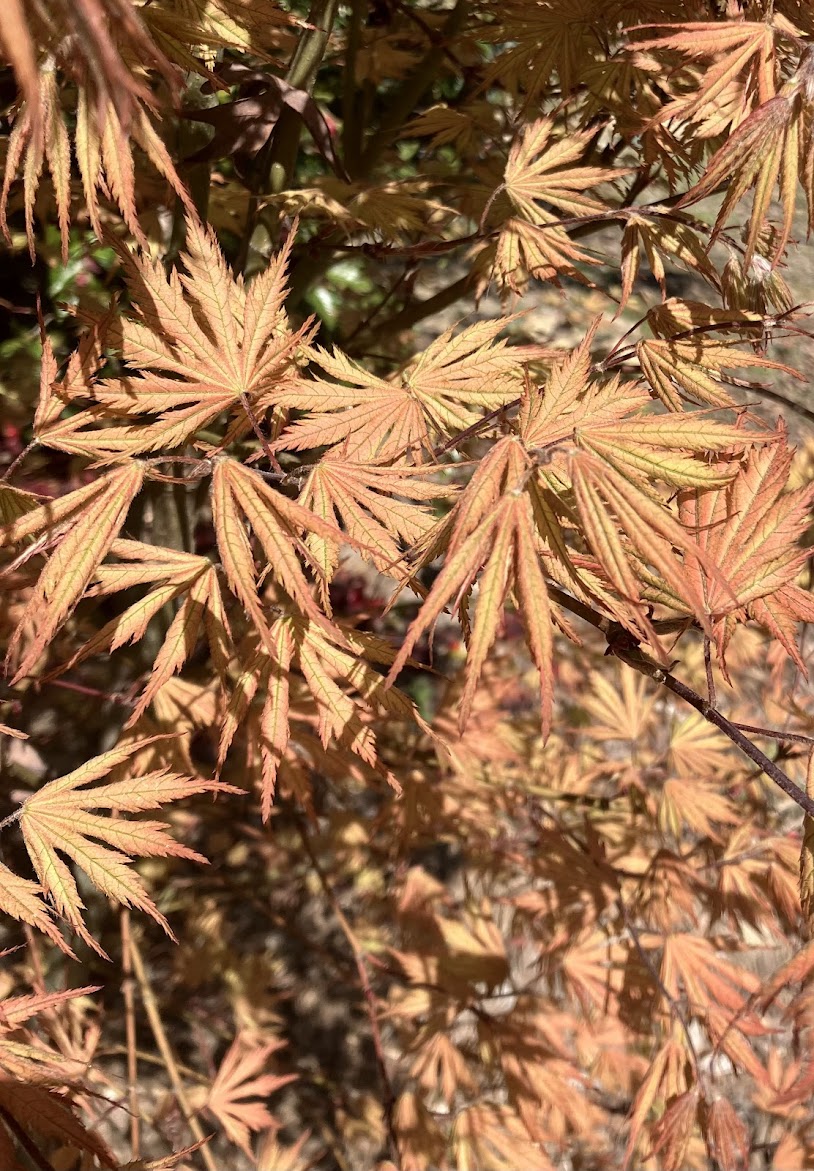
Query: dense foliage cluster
[(395, 510)]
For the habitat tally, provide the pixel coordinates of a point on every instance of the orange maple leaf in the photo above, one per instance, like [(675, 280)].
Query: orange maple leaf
[(59, 819), (239, 1083)]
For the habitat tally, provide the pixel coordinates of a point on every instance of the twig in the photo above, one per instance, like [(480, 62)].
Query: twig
[(18, 459), (627, 649), (156, 1024), (708, 668), (264, 443), (412, 314), (82, 689), (391, 292), (795, 737), (733, 732), (401, 103), (275, 162), (388, 1094), (130, 1034)]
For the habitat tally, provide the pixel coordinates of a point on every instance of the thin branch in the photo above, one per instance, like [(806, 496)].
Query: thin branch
[(412, 314), (18, 459), (388, 1094), (731, 730), (81, 689), (130, 1034), (264, 443), (275, 162), (159, 1033), (628, 651), (794, 737), (708, 668), (402, 103)]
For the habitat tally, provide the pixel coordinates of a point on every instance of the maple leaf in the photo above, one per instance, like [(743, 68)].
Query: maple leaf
[(763, 151), (491, 528), (539, 170), (239, 1082), (24, 1058), (18, 45), (37, 1083), (661, 1080), (437, 394), (741, 52), (84, 525), (525, 250), (771, 147), (15, 502), (608, 420), (179, 575), (203, 344), (493, 1136), (441, 1068), (590, 971), (671, 1134), (379, 508), (102, 145), (98, 43), (46, 1113), (697, 748), (20, 898), (694, 964), (693, 369), (696, 805), (671, 235), (601, 452), (273, 1156), (727, 1136), (539, 176), (542, 41), (59, 819), (333, 665), (750, 529), (229, 24), (393, 210), (239, 493), (447, 125), (613, 456), (619, 710)]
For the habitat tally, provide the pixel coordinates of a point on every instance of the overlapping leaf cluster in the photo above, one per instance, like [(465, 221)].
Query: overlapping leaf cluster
[(242, 440)]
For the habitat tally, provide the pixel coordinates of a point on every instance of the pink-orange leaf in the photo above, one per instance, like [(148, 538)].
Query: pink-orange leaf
[(60, 819)]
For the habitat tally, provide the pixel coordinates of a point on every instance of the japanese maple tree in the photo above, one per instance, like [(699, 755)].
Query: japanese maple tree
[(396, 508)]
